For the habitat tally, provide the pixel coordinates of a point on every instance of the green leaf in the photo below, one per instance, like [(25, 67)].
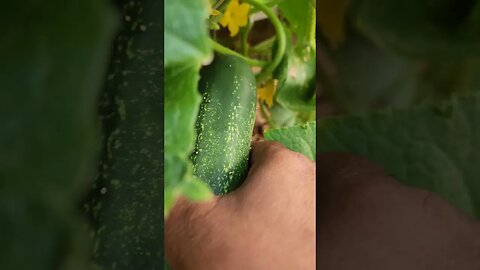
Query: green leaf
[(439, 80), (434, 147), (181, 107), (196, 190), (269, 3), (368, 78), (186, 34), (54, 57), (301, 139), (296, 86), (301, 17), (433, 29), (281, 117), (186, 47)]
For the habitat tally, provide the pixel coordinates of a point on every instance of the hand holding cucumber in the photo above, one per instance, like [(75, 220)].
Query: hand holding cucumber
[(266, 223), (367, 221)]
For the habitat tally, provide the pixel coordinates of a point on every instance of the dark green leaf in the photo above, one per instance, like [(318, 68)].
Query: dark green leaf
[(434, 148), (434, 29), (367, 78), (296, 87), (54, 56)]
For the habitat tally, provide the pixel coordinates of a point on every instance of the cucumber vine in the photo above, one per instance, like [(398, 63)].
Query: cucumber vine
[(267, 67)]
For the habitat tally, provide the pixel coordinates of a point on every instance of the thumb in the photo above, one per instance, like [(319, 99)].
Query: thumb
[(274, 166)]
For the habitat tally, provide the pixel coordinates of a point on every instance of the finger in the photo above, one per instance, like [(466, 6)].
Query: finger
[(273, 154), (260, 149), (274, 167)]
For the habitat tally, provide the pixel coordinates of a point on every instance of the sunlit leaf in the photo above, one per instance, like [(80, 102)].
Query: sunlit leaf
[(301, 139), (186, 31), (301, 17)]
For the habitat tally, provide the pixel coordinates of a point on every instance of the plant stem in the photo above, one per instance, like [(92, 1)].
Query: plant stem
[(224, 50), (264, 45), (218, 4), (311, 28), (265, 114), (281, 39), (245, 38)]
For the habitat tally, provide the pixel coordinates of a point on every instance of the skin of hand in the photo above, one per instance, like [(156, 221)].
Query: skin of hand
[(368, 220), (267, 223)]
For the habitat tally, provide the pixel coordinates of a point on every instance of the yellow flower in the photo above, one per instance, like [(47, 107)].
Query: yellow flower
[(267, 92), (235, 16)]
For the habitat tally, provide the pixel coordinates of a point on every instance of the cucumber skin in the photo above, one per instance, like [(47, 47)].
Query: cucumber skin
[(125, 202), (225, 123)]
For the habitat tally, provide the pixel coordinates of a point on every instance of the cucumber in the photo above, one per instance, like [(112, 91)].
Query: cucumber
[(224, 123), (126, 199)]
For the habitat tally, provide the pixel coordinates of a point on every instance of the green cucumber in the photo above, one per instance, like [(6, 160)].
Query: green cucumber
[(126, 200), (225, 123)]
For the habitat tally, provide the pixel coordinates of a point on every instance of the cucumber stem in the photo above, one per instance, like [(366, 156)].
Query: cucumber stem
[(311, 28), (281, 39), (219, 4), (224, 50), (244, 37), (265, 114)]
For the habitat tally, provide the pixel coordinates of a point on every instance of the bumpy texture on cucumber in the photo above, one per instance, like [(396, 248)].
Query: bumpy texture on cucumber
[(126, 201), (225, 123)]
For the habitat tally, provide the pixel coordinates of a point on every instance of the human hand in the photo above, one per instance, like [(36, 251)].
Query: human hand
[(267, 223), (368, 220)]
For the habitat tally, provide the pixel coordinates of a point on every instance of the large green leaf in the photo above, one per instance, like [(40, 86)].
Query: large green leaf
[(435, 148), (301, 17), (435, 29), (185, 31), (186, 46), (301, 139), (54, 57), (181, 107)]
